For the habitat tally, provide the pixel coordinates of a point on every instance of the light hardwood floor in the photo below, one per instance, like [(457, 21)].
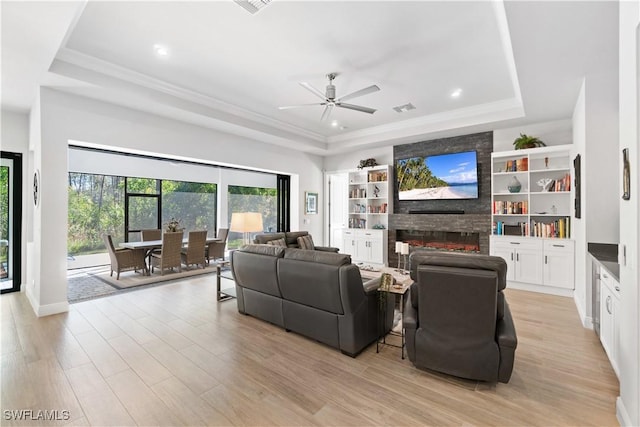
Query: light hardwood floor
[(172, 355)]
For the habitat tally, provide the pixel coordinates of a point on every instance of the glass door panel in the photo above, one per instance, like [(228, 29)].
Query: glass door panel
[(5, 225), (10, 219), (142, 213)]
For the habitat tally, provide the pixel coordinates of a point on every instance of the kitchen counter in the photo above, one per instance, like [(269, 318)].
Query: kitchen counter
[(607, 255)]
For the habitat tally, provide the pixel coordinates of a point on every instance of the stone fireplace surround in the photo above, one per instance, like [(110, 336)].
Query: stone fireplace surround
[(471, 223)]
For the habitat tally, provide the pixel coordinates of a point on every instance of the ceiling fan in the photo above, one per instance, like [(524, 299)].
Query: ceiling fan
[(330, 101)]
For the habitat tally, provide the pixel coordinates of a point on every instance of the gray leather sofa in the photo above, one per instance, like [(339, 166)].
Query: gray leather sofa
[(291, 239), (456, 317), (317, 294)]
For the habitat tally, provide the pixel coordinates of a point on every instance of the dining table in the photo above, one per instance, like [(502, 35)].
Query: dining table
[(150, 245)]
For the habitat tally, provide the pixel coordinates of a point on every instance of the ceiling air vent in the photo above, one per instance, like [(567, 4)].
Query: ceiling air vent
[(252, 6), (404, 108)]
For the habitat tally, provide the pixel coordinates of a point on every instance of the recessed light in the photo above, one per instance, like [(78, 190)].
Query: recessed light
[(161, 50), (456, 93), (334, 123)]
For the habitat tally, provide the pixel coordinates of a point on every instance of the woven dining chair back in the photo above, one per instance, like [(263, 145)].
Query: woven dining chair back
[(169, 256), (195, 251)]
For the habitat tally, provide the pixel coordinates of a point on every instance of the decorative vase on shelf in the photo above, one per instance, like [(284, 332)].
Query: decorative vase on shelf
[(514, 185)]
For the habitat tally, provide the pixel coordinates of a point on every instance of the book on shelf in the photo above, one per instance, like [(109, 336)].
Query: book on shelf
[(500, 228), (508, 207), (518, 165), (559, 228), (560, 184)]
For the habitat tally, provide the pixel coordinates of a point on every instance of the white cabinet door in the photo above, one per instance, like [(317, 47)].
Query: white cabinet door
[(606, 320), (508, 254), (558, 267), (349, 243), (528, 265), (377, 251)]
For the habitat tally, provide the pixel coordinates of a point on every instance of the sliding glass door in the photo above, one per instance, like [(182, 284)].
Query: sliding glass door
[(10, 221)]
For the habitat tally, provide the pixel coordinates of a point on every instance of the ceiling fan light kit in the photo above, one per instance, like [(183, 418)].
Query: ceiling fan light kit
[(330, 101)]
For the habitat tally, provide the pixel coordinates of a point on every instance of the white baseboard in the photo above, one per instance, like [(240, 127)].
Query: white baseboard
[(621, 413), (46, 310), (540, 289), (587, 321)]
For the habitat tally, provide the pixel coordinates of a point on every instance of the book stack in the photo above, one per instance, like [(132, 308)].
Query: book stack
[(560, 184), (518, 165), (507, 207), (560, 228)]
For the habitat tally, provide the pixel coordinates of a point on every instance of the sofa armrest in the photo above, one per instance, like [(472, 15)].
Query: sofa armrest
[(506, 330), (326, 249), (410, 314), (371, 286)]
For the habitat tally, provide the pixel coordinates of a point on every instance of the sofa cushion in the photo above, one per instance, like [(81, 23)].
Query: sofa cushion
[(263, 238), (277, 242), (292, 238), (270, 250), (330, 258), (306, 242)]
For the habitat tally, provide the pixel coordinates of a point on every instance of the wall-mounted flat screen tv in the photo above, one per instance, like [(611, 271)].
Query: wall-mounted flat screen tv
[(438, 177)]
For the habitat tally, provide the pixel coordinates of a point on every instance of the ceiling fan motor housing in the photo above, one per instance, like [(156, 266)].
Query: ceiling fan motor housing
[(331, 91)]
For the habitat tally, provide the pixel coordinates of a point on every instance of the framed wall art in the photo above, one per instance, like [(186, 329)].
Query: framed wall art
[(310, 203)]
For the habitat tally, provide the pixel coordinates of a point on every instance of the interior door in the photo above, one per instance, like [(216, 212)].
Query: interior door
[(338, 208)]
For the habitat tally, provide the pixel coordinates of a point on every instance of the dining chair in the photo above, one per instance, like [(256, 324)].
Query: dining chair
[(169, 256), (194, 253), (124, 259), (216, 249), (151, 234)]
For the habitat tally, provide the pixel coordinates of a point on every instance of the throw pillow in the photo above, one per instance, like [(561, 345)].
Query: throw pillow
[(277, 242), (306, 242)]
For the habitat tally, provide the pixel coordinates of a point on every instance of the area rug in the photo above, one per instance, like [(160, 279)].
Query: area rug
[(130, 279)]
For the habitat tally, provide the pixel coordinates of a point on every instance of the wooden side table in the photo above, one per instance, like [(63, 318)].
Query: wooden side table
[(220, 295), (402, 284)]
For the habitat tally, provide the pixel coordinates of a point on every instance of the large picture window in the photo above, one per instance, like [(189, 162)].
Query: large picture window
[(192, 203), (96, 207), (99, 204)]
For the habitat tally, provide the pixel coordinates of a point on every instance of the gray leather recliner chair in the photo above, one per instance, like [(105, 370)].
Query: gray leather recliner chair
[(456, 318)]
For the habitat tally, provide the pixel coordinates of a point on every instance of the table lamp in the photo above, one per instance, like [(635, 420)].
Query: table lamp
[(398, 251), (245, 223), (404, 251)]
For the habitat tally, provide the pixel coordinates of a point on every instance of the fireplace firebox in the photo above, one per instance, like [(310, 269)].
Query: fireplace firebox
[(440, 240)]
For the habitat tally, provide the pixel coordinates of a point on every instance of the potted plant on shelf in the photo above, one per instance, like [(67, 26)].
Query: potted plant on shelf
[(526, 141)]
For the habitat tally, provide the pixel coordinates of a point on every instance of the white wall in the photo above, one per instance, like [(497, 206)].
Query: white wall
[(628, 404), (66, 117), (14, 137), (557, 132), (344, 161)]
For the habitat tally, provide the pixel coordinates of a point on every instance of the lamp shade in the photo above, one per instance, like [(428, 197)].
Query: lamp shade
[(405, 249), (246, 222), (398, 247)]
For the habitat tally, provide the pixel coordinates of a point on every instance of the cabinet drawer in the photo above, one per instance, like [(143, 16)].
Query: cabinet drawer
[(558, 245)]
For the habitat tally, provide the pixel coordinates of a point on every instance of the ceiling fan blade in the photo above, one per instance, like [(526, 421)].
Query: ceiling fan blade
[(313, 90), (366, 90), (287, 107), (327, 112), (356, 107)]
